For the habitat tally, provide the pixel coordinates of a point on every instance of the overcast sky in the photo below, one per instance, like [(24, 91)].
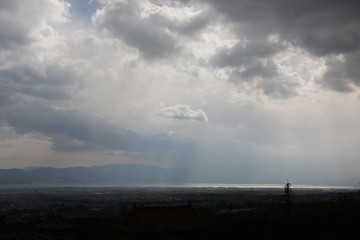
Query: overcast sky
[(250, 91)]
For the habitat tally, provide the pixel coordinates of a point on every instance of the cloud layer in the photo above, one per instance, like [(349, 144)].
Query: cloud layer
[(278, 80), (323, 28)]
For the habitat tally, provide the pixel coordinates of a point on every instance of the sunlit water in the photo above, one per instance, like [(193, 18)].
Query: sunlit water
[(188, 185), (206, 185), (246, 186)]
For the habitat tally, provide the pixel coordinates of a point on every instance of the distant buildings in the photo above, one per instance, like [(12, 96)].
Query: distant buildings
[(141, 223), (160, 219)]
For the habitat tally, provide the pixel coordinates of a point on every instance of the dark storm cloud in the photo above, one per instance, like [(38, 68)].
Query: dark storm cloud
[(278, 87), (73, 130), (40, 99), (193, 25), (147, 34), (19, 18), (245, 54), (335, 78), (34, 101), (28, 95), (342, 75), (13, 31), (268, 79), (252, 62), (153, 35), (322, 27), (258, 69), (54, 83)]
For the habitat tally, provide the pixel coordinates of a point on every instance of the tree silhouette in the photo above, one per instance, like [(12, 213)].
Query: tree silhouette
[(287, 199)]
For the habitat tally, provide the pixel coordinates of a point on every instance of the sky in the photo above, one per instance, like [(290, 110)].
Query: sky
[(246, 91)]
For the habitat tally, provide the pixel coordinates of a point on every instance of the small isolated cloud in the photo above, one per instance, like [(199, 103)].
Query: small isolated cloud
[(183, 112)]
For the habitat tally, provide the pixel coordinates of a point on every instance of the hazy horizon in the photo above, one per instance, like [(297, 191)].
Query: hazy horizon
[(135, 175), (247, 91)]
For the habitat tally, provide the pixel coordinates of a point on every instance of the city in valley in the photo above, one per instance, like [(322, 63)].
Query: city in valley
[(178, 212)]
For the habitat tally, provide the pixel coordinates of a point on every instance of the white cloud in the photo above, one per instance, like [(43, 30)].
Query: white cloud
[(183, 112), (22, 22)]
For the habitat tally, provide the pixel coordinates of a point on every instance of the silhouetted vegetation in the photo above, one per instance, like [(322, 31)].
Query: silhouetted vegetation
[(288, 200)]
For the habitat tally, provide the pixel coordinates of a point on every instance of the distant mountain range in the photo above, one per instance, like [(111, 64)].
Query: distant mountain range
[(127, 174), (106, 174)]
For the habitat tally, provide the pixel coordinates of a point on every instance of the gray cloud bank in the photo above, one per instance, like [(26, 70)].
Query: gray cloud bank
[(39, 97), (18, 19), (154, 36), (72, 130), (321, 27)]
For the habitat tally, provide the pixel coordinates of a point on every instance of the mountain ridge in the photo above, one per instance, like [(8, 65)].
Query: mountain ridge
[(100, 174), (127, 174)]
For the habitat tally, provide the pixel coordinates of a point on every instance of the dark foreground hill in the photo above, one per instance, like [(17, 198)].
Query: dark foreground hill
[(106, 174)]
